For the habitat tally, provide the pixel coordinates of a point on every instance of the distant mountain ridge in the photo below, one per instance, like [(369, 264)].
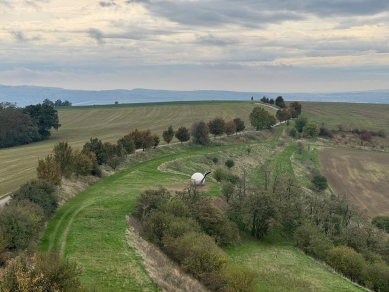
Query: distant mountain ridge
[(25, 95)]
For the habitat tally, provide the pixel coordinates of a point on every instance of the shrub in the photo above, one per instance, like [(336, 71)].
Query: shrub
[(221, 175), (215, 160), (217, 126), (293, 132), (82, 163), (39, 192), (311, 130), (63, 155), (347, 261), (300, 122), (236, 278), (150, 200), (229, 163), (96, 146), (21, 223), (312, 240), (46, 272), (366, 135), (200, 133), (168, 135), (324, 132), (182, 134), (128, 143), (382, 222), (320, 182), (239, 125), (230, 127), (49, 170)]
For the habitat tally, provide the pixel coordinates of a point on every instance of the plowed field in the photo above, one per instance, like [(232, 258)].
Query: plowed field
[(364, 176)]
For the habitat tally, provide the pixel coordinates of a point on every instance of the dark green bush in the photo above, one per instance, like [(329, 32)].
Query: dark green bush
[(39, 192), (320, 182)]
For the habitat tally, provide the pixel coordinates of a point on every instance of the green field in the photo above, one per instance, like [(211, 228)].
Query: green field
[(90, 229), (350, 115), (109, 123)]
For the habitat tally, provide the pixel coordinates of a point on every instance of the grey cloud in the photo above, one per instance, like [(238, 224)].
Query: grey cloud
[(210, 40), (21, 37), (107, 4), (97, 35), (259, 13), (35, 3)]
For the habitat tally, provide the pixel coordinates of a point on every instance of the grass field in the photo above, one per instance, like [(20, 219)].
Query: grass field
[(350, 115), (362, 175), (90, 228), (109, 123)]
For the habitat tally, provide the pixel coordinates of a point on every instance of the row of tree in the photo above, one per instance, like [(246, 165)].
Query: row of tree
[(278, 102), (21, 126), (57, 103)]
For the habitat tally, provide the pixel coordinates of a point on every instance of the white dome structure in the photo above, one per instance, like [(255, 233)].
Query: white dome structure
[(198, 178)]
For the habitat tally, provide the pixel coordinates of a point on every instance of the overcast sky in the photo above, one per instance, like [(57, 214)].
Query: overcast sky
[(245, 45)]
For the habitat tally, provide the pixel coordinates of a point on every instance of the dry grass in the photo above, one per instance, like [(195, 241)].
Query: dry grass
[(165, 273), (362, 175)]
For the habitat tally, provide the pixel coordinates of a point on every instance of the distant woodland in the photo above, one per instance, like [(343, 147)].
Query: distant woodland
[(21, 126)]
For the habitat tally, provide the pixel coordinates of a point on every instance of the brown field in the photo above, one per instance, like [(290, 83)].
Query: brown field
[(362, 175)]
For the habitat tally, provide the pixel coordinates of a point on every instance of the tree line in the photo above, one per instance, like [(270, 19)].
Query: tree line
[(21, 126)]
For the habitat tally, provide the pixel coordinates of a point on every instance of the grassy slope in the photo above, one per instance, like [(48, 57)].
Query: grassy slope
[(109, 123), (90, 228)]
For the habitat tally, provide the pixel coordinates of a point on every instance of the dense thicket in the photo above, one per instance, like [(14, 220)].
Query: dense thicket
[(21, 126)]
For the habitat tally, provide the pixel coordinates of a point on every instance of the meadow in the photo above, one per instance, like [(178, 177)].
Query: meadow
[(361, 175)]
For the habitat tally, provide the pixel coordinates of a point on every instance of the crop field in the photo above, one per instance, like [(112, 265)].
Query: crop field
[(362, 175), (109, 123), (91, 229), (350, 115)]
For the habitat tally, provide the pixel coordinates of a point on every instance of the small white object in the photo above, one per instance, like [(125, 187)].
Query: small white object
[(199, 178)]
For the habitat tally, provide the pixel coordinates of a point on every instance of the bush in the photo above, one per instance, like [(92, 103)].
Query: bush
[(96, 146), (320, 182), (221, 175), (215, 223), (293, 132), (300, 122), (182, 134), (199, 132), (311, 130), (313, 241), (347, 261), (366, 135), (215, 160), (382, 222), (21, 223), (82, 163), (39, 192), (324, 132), (49, 170), (236, 278), (46, 272), (229, 163), (150, 200)]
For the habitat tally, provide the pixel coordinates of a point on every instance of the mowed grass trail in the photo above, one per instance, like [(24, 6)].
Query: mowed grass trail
[(109, 123), (90, 229)]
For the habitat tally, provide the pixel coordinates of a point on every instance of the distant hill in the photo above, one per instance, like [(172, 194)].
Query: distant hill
[(26, 95)]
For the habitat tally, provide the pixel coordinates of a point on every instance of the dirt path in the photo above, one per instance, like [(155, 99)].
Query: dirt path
[(4, 201)]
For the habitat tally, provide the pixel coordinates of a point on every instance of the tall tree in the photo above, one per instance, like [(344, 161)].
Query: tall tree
[(182, 134), (300, 122), (96, 146), (168, 135), (261, 119), (128, 144), (147, 139), (295, 109), (46, 118), (230, 127), (217, 126), (49, 170), (280, 102), (283, 114)]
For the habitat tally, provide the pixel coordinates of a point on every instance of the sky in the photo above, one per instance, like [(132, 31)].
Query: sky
[(245, 45)]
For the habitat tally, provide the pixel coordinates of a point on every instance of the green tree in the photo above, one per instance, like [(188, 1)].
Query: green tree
[(311, 130), (147, 139), (320, 182), (260, 208), (63, 154), (217, 126), (300, 122), (199, 133), (295, 109), (280, 102), (182, 134), (128, 143), (96, 146), (48, 102), (261, 119), (283, 114), (39, 192), (168, 135), (156, 140), (239, 125), (82, 163), (46, 117), (49, 170)]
